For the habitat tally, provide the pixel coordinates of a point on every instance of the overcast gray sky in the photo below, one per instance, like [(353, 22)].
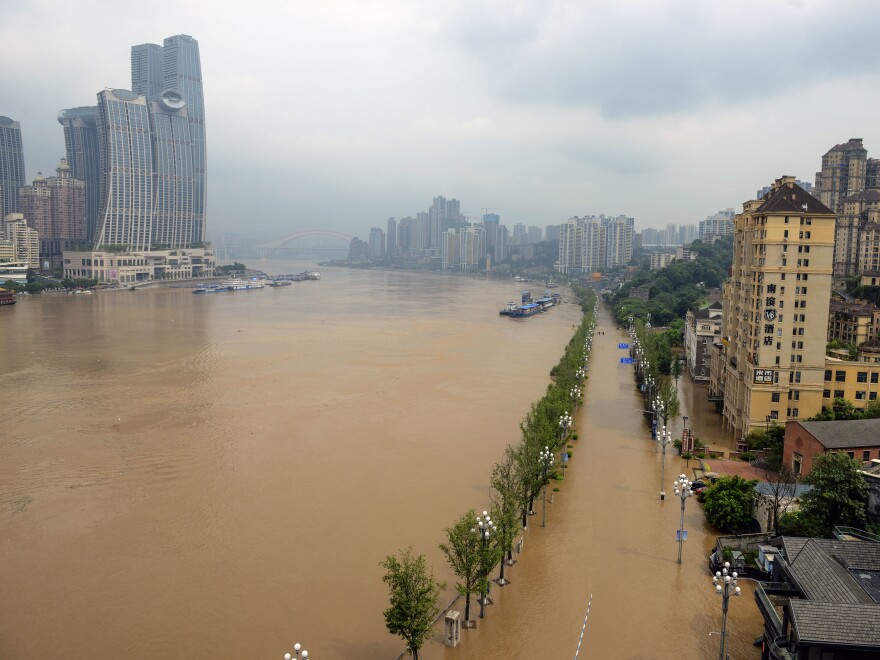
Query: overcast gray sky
[(339, 114)]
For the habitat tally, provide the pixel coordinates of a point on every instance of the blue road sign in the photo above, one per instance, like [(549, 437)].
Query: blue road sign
[(682, 534), (623, 344), (626, 360)]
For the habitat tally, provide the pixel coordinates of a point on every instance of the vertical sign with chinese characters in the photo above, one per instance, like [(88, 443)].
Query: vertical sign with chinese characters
[(769, 315)]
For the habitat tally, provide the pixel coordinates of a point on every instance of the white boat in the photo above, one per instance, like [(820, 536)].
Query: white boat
[(234, 284), (313, 275)]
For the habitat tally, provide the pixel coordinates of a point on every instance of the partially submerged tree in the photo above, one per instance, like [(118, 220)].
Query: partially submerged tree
[(463, 551), (505, 504), (668, 406), (413, 594)]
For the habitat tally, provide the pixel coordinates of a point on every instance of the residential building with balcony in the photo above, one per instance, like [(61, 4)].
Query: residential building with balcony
[(852, 322), (775, 316)]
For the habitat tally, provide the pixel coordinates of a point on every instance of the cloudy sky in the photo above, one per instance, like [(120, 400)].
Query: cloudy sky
[(340, 113)]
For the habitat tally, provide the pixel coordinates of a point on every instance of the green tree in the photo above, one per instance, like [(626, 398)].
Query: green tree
[(728, 503), (505, 504), (413, 594), (675, 371), (464, 552), (839, 493), (668, 406), (872, 411), (844, 409)]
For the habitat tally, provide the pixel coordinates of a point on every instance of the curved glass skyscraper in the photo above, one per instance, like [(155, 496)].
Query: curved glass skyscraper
[(180, 72), (11, 165), (126, 161)]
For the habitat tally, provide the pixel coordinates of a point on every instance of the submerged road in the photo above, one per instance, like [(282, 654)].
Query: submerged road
[(608, 535)]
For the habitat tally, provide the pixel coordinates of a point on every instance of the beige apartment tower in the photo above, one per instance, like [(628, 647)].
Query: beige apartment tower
[(776, 309)]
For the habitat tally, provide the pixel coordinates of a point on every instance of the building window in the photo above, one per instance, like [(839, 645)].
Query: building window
[(840, 376), (827, 375), (826, 394), (851, 454), (862, 377), (866, 455), (774, 414), (838, 394), (872, 396), (874, 377), (860, 395), (774, 397), (796, 461)]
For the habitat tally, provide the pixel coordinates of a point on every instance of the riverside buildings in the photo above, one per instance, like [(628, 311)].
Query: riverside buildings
[(151, 166), (11, 166), (775, 317), (593, 243), (55, 208)]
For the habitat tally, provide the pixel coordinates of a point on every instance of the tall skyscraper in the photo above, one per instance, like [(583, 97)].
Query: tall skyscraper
[(391, 238), (11, 165), (181, 72), (83, 155), (126, 157), (147, 77)]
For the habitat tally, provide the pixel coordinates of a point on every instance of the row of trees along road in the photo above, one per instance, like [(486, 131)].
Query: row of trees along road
[(475, 544)]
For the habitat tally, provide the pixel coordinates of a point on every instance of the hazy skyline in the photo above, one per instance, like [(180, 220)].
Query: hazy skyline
[(340, 114)]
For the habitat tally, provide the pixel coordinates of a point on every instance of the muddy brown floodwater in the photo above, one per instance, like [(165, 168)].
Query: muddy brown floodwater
[(219, 476)]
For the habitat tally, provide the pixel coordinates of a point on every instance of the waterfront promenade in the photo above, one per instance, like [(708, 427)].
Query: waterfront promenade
[(609, 535)]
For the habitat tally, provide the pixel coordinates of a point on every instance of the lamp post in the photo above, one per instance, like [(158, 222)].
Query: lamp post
[(546, 457), (575, 395), (296, 653), (564, 423), (664, 439), (682, 488), (725, 586), (767, 423), (485, 527), (685, 436)]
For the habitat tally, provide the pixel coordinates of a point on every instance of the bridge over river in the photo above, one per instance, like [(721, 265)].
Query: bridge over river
[(312, 243)]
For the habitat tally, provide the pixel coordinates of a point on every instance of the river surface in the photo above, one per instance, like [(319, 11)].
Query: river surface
[(219, 476)]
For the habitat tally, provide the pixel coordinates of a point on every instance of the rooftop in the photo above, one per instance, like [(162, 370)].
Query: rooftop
[(846, 433), (788, 197)]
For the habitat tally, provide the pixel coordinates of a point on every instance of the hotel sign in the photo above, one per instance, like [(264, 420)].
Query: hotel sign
[(764, 376)]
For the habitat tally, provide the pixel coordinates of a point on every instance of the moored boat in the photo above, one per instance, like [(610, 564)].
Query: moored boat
[(234, 284), (210, 288), (7, 297), (509, 309), (529, 309)]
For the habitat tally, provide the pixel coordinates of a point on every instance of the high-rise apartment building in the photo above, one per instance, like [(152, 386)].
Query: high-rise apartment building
[(776, 309), (25, 240), (649, 236), (619, 240), (377, 243), (391, 238), (55, 208), (500, 248), (534, 235), (11, 165), (719, 224), (844, 173), (83, 155)]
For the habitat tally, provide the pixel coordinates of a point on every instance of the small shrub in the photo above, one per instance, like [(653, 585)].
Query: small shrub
[(747, 456), (555, 490), (574, 436)]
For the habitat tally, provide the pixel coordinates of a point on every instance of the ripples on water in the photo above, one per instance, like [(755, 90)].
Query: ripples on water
[(192, 476)]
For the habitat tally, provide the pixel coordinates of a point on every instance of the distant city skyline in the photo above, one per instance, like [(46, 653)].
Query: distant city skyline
[(328, 115)]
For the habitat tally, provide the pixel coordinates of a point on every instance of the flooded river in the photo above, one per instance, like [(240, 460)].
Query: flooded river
[(219, 476)]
